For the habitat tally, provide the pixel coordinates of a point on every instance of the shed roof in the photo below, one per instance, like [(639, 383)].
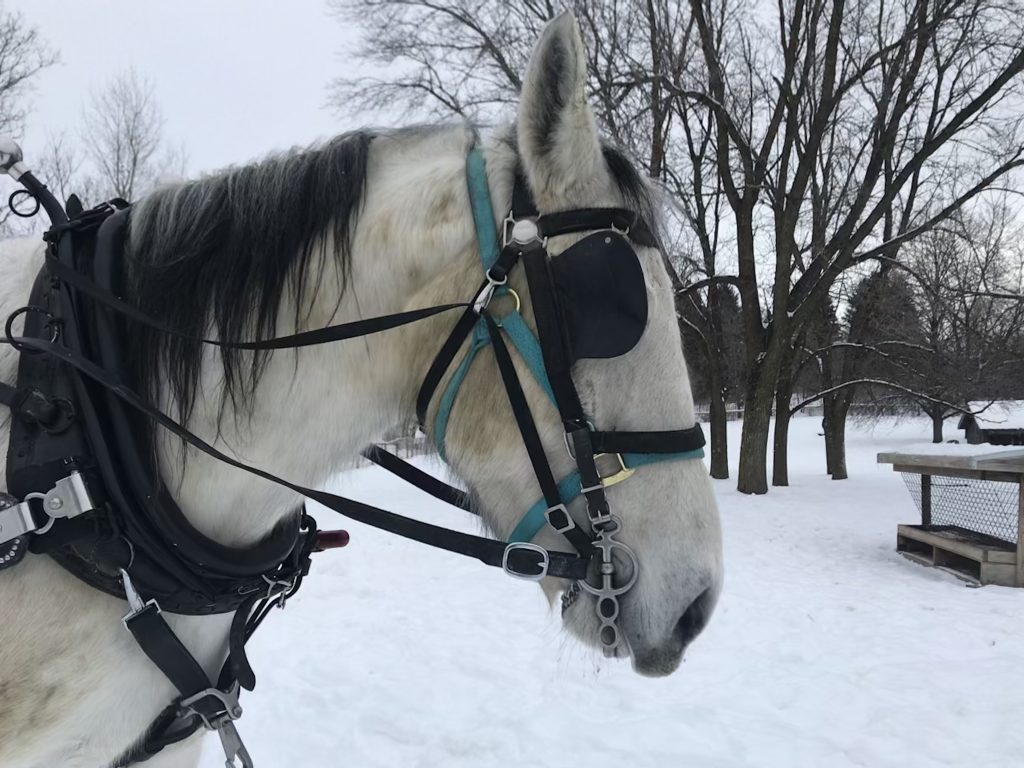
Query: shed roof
[(1001, 414)]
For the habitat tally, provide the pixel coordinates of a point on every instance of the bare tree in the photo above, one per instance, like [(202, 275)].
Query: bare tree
[(23, 54), (124, 137), (903, 111)]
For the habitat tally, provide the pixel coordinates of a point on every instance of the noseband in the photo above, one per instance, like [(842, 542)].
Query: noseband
[(588, 302)]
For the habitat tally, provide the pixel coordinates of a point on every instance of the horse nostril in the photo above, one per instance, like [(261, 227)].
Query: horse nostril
[(694, 619)]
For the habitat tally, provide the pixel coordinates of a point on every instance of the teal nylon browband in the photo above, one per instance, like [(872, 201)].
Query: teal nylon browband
[(526, 345)]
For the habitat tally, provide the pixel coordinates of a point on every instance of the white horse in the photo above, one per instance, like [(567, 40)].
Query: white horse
[(390, 230)]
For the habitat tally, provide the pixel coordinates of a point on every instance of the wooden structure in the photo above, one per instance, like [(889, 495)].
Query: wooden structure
[(999, 423), (951, 535)]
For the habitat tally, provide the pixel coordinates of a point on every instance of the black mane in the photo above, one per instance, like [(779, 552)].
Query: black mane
[(215, 256)]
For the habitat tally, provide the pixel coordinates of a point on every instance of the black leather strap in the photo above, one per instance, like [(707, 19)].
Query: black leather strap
[(666, 441), (443, 361), (417, 477), (579, 219), (531, 438), (488, 551), (338, 332), (166, 651), (590, 219), (551, 333)]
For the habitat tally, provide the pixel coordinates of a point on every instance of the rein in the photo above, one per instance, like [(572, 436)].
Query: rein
[(85, 506)]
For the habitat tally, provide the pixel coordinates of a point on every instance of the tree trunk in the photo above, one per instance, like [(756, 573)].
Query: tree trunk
[(757, 414), (719, 424), (826, 425), (937, 421), (780, 456), (835, 438)]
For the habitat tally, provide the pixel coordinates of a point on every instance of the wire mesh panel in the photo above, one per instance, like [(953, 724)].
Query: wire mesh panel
[(983, 506)]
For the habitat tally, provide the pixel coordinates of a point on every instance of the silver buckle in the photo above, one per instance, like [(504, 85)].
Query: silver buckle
[(230, 708), (545, 560), (231, 742), (136, 604), (222, 722), (16, 521), (68, 498), (280, 587), (487, 293), (570, 523)]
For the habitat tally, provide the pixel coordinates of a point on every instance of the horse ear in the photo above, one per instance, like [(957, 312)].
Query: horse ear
[(556, 133)]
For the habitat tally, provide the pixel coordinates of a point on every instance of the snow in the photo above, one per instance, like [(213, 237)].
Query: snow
[(956, 449), (827, 650)]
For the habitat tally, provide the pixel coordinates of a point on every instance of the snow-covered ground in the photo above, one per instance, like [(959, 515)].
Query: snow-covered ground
[(827, 649)]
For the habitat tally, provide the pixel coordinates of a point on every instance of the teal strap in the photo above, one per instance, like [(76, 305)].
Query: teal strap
[(571, 488), (444, 408), (526, 344), (634, 460), (480, 202)]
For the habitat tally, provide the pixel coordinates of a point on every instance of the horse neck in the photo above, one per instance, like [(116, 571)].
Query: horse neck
[(313, 410)]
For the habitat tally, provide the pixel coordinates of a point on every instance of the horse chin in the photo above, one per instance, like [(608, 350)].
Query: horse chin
[(658, 662), (647, 659)]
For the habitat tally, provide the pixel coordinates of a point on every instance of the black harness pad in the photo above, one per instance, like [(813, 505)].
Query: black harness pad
[(602, 295)]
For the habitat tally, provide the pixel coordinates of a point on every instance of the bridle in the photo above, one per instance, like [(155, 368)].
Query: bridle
[(80, 509), (602, 458)]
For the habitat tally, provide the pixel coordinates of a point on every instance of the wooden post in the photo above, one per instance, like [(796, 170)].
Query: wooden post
[(926, 499), (1020, 534)]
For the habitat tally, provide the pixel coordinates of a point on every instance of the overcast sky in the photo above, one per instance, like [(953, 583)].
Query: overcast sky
[(234, 78)]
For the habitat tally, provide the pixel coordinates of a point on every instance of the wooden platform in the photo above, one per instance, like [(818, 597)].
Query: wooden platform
[(978, 558)]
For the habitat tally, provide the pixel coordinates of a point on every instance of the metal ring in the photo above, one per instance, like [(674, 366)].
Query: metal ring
[(519, 305), (12, 203), (9, 327), (616, 591)]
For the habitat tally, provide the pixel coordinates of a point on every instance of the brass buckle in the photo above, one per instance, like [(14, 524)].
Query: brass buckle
[(623, 472)]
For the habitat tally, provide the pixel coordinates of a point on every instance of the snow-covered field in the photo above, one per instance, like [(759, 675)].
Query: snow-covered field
[(827, 649)]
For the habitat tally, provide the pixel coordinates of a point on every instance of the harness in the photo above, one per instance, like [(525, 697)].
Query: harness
[(85, 489)]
